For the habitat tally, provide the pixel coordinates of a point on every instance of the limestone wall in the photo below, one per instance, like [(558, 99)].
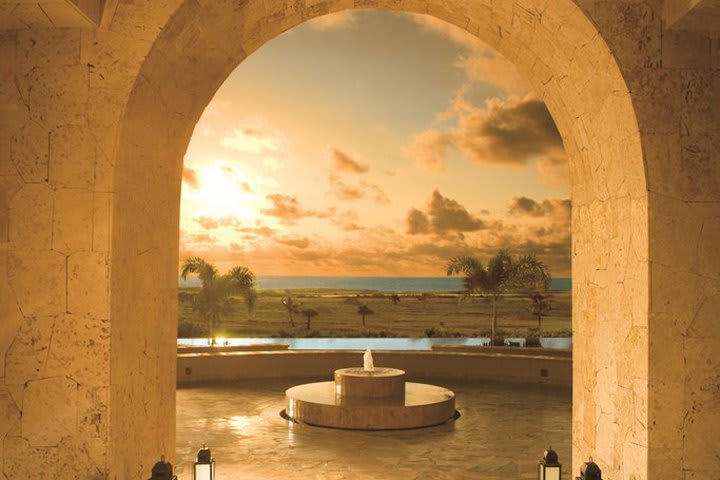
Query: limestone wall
[(524, 369), (93, 126)]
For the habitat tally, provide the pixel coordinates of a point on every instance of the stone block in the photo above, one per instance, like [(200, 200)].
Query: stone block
[(9, 186), (73, 221), (701, 450), (59, 47), (9, 415), (26, 357), (80, 349), (88, 285), (72, 157), (685, 50), (58, 95), (93, 404), (704, 323), (38, 279), (50, 411), (102, 221), (12, 318), (30, 222), (23, 461), (29, 152)]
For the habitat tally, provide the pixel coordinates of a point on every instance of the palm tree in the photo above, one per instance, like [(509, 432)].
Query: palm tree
[(214, 300), (292, 306), (364, 310), (503, 273), (539, 307), (309, 315), (395, 298)]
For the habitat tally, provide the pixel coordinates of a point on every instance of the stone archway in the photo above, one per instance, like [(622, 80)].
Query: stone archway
[(572, 68), (96, 118)]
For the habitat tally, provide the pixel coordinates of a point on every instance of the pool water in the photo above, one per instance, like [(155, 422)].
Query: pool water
[(373, 343), (501, 434)]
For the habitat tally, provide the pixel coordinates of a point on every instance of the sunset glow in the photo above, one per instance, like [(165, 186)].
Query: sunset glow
[(365, 159)]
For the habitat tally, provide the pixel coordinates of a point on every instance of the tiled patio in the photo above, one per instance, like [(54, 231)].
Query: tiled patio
[(501, 434)]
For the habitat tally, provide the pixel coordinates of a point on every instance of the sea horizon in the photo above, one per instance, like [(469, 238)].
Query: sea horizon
[(375, 283)]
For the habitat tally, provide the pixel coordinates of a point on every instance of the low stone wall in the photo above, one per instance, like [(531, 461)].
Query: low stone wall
[(528, 351), (509, 366)]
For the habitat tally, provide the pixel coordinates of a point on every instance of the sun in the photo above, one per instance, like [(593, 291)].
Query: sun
[(224, 191)]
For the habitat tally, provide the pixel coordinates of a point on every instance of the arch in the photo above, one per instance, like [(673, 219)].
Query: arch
[(571, 67)]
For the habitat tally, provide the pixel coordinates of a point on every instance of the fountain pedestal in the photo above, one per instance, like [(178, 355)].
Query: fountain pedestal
[(377, 400), (378, 383)]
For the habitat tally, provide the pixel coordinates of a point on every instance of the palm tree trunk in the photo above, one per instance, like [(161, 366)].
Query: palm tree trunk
[(308, 322), (211, 331), (292, 321), (494, 320), (539, 322), (363, 320)]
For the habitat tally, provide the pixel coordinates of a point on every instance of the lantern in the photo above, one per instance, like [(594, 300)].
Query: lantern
[(550, 467), (162, 470), (204, 466), (590, 471)]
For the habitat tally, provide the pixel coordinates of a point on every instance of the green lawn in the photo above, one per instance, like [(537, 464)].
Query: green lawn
[(448, 314)]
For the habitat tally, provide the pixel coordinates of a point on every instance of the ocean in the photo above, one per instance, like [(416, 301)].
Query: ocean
[(382, 284)]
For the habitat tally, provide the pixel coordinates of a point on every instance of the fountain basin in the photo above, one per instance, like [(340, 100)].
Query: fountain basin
[(420, 405)]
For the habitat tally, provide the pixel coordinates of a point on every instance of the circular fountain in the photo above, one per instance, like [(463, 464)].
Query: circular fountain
[(370, 399)]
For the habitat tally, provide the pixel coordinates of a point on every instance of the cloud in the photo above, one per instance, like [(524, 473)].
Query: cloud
[(302, 242), (339, 20), (553, 170), (364, 189), (558, 209), (288, 210), (261, 231), (481, 63), (189, 177), (510, 132), (442, 215), (212, 223), (429, 148), (343, 162), (417, 222), (344, 191), (203, 238), (251, 140)]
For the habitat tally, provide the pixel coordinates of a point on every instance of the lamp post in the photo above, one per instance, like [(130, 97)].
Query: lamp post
[(550, 467), (162, 470), (590, 471), (204, 466)]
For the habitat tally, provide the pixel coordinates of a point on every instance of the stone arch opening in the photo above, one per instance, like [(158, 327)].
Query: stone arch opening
[(572, 69)]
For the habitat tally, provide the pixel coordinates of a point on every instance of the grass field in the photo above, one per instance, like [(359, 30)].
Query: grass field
[(438, 314)]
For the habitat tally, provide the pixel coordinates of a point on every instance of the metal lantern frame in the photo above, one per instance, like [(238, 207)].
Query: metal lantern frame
[(550, 468), (590, 471), (204, 465)]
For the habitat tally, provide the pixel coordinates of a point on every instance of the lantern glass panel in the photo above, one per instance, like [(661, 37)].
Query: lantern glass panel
[(203, 471), (552, 472)]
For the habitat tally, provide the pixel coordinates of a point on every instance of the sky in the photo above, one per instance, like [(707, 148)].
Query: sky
[(374, 143)]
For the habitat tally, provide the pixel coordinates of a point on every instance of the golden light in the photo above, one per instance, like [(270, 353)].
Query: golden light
[(224, 190)]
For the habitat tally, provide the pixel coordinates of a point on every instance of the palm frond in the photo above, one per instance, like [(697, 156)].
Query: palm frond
[(463, 264), (205, 271)]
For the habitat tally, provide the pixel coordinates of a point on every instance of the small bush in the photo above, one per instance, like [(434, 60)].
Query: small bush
[(378, 334), (189, 329)]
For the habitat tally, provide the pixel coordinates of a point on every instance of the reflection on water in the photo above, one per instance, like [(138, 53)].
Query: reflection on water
[(501, 434), (374, 343)]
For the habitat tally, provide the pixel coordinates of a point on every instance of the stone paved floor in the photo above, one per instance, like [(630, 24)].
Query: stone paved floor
[(501, 434)]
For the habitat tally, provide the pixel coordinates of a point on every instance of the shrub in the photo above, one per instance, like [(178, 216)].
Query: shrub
[(190, 329)]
